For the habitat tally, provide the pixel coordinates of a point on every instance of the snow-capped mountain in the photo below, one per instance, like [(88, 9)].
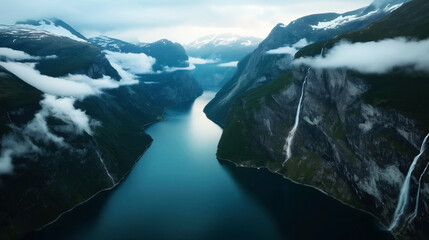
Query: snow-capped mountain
[(274, 55), (166, 53), (64, 102), (227, 47), (216, 56), (53, 26)]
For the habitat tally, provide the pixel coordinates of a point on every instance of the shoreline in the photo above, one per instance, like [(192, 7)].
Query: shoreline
[(144, 127), (383, 227), (94, 195)]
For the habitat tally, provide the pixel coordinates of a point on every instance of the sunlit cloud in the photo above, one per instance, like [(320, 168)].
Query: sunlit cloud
[(374, 57), (149, 21)]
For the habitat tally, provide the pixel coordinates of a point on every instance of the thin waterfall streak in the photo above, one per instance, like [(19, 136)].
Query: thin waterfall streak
[(292, 132), (288, 145), (105, 168), (405, 189), (416, 208)]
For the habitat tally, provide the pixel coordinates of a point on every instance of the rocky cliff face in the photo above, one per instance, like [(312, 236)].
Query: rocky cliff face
[(357, 134), (261, 66), (72, 123), (355, 152)]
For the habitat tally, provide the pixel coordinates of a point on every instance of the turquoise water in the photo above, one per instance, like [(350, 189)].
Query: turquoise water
[(179, 190)]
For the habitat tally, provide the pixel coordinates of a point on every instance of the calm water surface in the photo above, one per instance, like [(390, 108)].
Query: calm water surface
[(179, 190)]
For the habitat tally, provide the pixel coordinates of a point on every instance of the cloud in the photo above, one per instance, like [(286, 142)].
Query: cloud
[(24, 140), (196, 61), (301, 43), (12, 145), (173, 69), (283, 50), (291, 50), (63, 108), (136, 63), (16, 55), (78, 86), (374, 57), (228, 64)]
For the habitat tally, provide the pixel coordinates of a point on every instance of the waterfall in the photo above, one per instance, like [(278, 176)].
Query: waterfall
[(288, 145), (105, 168), (416, 208), (291, 135), (405, 189)]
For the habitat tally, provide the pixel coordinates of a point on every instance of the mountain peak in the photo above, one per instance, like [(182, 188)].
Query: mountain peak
[(54, 26)]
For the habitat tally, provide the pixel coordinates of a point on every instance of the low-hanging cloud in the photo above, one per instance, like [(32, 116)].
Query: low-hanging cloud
[(374, 57), (201, 61), (228, 64), (283, 50), (26, 139), (291, 50), (63, 108), (71, 85), (16, 55), (135, 63)]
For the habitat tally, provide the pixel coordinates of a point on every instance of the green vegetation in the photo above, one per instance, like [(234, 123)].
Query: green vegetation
[(411, 21), (402, 89), (16, 94), (237, 141)]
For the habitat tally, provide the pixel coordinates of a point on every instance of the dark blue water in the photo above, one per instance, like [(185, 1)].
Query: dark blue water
[(179, 190)]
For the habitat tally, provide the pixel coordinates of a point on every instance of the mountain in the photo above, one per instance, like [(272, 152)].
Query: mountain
[(217, 56), (54, 26), (166, 53), (228, 47), (64, 104), (357, 136), (173, 83), (274, 54)]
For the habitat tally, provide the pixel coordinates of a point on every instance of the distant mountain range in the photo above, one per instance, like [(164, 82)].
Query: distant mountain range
[(219, 54)]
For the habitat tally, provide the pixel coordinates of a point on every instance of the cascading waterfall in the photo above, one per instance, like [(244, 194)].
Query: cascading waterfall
[(416, 208), (291, 135), (105, 168), (405, 189), (288, 145)]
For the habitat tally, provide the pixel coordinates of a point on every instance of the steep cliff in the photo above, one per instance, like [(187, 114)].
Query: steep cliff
[(274, 54), (357, 134), (72, 121)]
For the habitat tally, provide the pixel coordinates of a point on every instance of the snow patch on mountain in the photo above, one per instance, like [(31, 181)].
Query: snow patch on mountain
[(341, 20), (223, 40), (49, 26)]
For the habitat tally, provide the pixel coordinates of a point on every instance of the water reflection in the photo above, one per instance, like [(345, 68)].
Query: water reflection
[(178, 190)]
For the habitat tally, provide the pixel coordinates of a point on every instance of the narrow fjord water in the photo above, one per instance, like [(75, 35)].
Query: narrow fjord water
[(179, 190)]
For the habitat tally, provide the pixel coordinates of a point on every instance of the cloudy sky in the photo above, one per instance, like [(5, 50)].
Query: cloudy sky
[(177, 20)]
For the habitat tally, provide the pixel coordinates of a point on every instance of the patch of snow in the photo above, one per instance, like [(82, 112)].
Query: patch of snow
[(49, 26), (341, 20)]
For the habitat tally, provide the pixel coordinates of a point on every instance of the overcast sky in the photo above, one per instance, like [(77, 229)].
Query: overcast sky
[(178, 20)]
